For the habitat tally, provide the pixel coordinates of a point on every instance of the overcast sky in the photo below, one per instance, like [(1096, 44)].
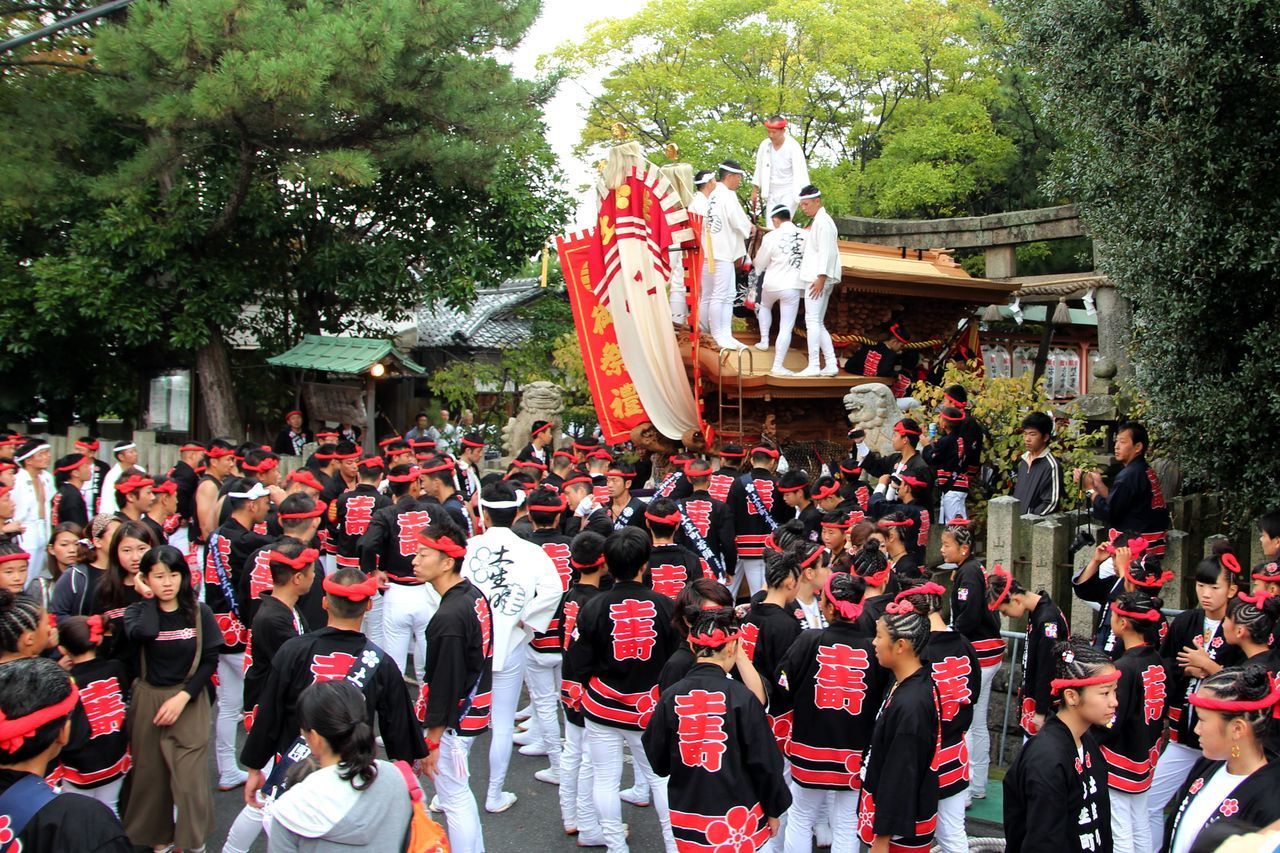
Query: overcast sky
[(560, 21)]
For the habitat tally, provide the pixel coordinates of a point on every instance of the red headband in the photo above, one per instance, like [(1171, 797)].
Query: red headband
[(135, 482), (959, 522), (564, 454), (298, 563), (15, 730), (355, 454), (599, 561), (14, 556), (697, 470), (1148, 583), (847, 609), (929, 588), (717, 639), (1270, 572), (1059, 684), (950, 419), (573, 481), (852, 472), (1230, 563), (916, 483), (1256, 600), (672, 519), (600, 453), (788, 489), (467, 442), (71, 466), (542, 428), (837, 525), (220, 452), (362, 591), (444, 545), (893, 330), (1237, 706), (92, 446), (902, 430), (262, 467), (306, 478), (387, 442), (885, 524), (764, 451), (825, 492), (1002, 597), (94, 624), (323, 434), (291, 414), (372, 462), (168, 487), (780, 124), (529, 463), (404, 478), (614, 472), (561, 506), (1147, 616), (422, 444), (880, 578), (812, 558), (316, 512), (952, 401), (191, 447)]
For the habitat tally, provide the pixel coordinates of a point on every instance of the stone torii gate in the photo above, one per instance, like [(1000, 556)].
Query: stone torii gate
[(998, 236)]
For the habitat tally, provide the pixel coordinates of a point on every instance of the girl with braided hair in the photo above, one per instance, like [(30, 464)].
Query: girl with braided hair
[(954, 666), (770, 626), (898, 809), (1130, 744), (1055, 793), (979, 625), (806, 604), (24, 627), (1233, 780), (710, 739), (872, 566), (830, 682), (1250, 625), (1195, 648), (894, 528), (1045, 626)]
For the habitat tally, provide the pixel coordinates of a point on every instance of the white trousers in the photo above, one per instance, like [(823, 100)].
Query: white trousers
[(577, 784), (953, 506), (807, 806), (542, 674), (979, 735), (506, 696), (789, 300), (815, 312), (1171, 771), (453, 787), (752, 570), (780, 196), (605, 745), (248, 824), (230, 710), (950, 834), (108, 794), (716, 304), (405, 613), (1130, 823), (373, 623), (678, 291)]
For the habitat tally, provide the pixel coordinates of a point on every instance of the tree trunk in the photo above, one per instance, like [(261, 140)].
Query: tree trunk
[(213, 367)]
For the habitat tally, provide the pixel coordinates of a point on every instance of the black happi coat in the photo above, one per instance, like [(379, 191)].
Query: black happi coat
[(325, 655), (273, 625), (235, 544), (571, 680), (811, 518), (767, 632), (69, 823), (556, 546), (969, 613), (631, 515), (1134, 503), (830, 686), (751, 528), (675, 486), (390, 543), (1254, 802), (670, 569), (1131, 743), (1045, 626), (722, 482), (714, 523), (625, 637), (710, 736), (1104, 592), (104, 698), (350, 515), (69, 505), (458, 692), (1054, 800), (900, 791), (954, 666), (1187, 629)]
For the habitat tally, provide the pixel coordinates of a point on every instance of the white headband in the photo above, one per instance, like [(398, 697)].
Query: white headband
[(706, 179), (778, 208), (257, 491), (817, 193), (32, 452), (120, 448), (515, 504), (727, 168)]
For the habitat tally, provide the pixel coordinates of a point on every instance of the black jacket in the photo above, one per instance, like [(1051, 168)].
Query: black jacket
[(1038, 484), (1053, 800)]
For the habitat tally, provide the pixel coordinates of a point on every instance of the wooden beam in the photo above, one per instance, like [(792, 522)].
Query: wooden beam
[(966, 232)]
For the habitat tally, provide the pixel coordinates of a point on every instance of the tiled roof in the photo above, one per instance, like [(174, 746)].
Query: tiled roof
[(486, 324), (340, 355)]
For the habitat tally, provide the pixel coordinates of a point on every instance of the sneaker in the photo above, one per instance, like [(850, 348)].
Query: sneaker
[(977, 795), (508, 800), (524, 713), (762, 346), (523, 738), (811, 370), (434, 806), (533, 749), (230, 783), (630, 795), (829, 370), (551, 776)]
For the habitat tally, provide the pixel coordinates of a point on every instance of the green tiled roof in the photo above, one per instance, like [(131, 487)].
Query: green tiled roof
[(351, 356)]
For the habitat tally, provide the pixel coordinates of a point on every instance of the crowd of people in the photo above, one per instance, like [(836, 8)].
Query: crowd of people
[(771, 649)]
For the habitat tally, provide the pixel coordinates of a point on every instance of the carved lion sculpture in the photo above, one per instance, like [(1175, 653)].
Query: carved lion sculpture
[(539, 401), (872, 408)]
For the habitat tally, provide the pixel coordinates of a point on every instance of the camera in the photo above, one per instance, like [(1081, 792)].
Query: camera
[(1083, 539)]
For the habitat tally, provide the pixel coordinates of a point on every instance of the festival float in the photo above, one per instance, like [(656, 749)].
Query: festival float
[(660, 384)]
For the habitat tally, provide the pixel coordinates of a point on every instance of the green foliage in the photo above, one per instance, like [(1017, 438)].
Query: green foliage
[(264, 169), (1000, 404), (1171, 115), (903, 107)]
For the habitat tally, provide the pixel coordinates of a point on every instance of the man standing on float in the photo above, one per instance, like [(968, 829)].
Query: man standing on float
[(729, 227), (819, 273), (781, 169)]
